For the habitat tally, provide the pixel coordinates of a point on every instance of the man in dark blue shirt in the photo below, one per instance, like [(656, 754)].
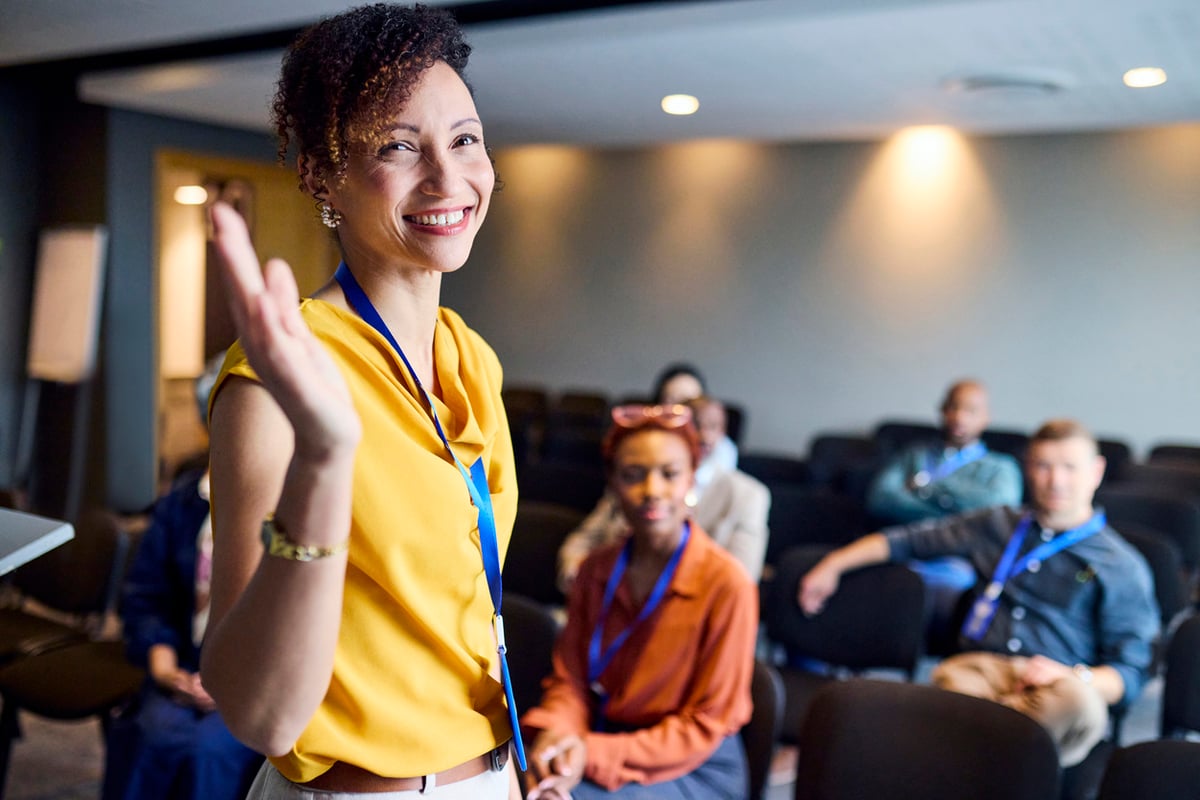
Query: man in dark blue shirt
[(1065, 615)]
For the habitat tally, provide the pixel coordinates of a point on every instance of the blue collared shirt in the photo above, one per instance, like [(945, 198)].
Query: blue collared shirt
[(1091, 604)]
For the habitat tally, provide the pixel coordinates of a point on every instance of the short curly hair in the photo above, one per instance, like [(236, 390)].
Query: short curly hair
[(344, 76)]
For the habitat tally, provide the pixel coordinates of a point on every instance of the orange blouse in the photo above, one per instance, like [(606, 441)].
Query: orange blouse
[(678, 686)]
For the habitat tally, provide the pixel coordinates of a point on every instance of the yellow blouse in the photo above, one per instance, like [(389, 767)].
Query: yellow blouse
[(411, 692)]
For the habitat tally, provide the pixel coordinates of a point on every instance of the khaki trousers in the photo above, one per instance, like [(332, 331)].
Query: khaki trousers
[(1074, 713)]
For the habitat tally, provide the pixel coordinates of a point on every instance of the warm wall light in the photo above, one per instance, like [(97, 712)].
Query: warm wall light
[(680, 104), (191, 195), (1144, 77)]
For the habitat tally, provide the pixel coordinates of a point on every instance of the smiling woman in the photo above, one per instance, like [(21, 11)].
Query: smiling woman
[(343, 429)]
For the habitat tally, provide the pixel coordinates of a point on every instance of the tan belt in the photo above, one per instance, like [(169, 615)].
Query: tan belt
[(343, 777)]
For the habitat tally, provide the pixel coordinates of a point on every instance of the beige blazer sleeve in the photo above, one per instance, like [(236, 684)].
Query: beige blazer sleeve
[(733, 510)]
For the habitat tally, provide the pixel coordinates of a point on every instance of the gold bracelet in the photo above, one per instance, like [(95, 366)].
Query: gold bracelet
[(276, 543)]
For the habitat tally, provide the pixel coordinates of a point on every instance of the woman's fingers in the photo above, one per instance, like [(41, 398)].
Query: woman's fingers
[(240, 270)]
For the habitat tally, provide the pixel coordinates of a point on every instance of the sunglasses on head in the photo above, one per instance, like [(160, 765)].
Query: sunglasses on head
[(635, 416)]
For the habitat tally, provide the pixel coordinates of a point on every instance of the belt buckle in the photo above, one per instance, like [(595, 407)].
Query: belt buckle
[(499, 758)]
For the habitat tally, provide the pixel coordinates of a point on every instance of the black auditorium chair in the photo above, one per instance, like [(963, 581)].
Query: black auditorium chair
[(526, 408), (735, 421), (1169, 512), (761, 733), (530, 566), (580, 409), (894, 435), (530, 631), (1181, 681), (78, 581), (73, 675), (805, 515), (867, 739), (846, 463), (875, 621), (1162, 555), (1175, 453), (1118, 455), (1153, 770), (775, 468), (1014, 443), (579, 486), (1174, 475)]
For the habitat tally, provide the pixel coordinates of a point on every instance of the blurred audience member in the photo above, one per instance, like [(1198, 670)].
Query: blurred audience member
[(1065, 618), (729, 504), (651, 680)]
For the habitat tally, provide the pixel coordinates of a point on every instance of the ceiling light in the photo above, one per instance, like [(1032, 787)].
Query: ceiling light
[(680, 104), (191, 195), (1144, 77)]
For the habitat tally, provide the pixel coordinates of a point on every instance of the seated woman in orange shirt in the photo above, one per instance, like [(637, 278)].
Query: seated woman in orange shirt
[(651, 680)]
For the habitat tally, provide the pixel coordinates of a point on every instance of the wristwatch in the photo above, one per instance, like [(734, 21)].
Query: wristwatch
[(1084, 672), (276, 543)]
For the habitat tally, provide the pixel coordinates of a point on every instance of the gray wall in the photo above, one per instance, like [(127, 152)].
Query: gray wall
[(820, 290), (131, 300), (18, 244)]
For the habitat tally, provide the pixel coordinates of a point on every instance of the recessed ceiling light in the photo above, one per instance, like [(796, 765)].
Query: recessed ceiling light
[(1144, 77), (191, 195), (680, 104)]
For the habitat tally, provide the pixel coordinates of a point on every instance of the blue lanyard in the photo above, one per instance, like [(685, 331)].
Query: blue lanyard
[(598, 660), (1010, 566), (477, 487), (935, 472)]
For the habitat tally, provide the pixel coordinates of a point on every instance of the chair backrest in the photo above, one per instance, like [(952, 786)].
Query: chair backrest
[(760, 734), (1181, 680), (774, 468), (1014, 443), (579, 486), (894, 435), (530, 567), (1162, 555), (1175, 453), (530, 631), (580, 409), (804, 515), (1159, 508), (876, 619), (735, 421), (835, 456), (1183, 477), (83, 576), (903, 741), (1162, 768), (1118, 455)]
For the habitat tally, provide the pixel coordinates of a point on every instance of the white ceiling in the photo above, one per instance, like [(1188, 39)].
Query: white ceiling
[(763, 69)]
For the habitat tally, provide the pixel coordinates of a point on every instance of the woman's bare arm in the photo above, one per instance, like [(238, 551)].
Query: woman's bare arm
[(284, 446)]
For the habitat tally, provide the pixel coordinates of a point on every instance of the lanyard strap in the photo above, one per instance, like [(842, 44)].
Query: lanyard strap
[(934, 471), (598, 659), (1010, 566), (477, 487)]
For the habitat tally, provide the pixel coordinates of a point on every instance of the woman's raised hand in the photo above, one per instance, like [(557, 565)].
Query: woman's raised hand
[(293, 366)]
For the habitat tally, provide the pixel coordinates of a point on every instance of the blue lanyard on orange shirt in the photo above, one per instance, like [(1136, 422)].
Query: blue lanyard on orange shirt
[(477, 487), (985, 607), (598, 660)]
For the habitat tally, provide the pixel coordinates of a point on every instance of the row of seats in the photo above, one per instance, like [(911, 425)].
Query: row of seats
[(860, 737), (59, 658)]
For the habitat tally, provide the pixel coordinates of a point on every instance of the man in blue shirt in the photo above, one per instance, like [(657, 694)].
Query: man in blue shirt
[(1065, 616)]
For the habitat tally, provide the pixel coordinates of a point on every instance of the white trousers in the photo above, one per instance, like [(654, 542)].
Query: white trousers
[(488, 785)]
